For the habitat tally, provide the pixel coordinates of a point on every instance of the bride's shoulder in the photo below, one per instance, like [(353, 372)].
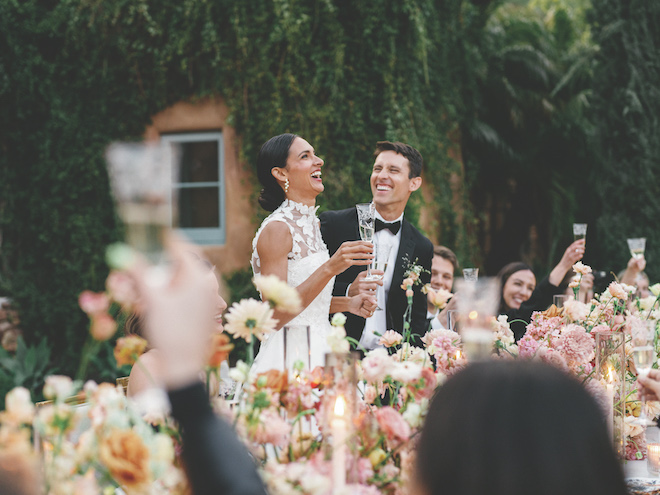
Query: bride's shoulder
[(275, 234)]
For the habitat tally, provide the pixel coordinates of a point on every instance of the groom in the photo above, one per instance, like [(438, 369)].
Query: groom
[(396, 174)]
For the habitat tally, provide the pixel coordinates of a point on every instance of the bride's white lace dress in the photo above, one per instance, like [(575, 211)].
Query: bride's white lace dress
[(307, 254)]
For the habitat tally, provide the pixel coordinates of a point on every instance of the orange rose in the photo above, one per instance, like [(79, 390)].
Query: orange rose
[(128, 349), (221, 346), (127, 459), (276, 380)]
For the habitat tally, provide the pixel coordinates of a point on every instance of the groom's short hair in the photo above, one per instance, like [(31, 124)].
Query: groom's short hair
[(415, 160)]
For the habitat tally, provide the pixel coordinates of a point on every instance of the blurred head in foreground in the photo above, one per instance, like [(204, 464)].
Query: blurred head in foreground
[(516, 428)]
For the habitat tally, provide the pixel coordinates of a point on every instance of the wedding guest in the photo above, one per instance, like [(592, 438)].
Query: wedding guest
[(520, 295), (516, 428), (443, 267), (215, 459), (288, 245), (586, 290), (396, 174), (642, 283), (634, 268), (146, 372)]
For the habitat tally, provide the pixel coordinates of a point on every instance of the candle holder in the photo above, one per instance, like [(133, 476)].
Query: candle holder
[(653, 458), (610, 366), (477, 304), (339, 404)]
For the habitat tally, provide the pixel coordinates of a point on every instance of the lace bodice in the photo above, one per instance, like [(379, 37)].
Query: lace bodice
[(308, 252)]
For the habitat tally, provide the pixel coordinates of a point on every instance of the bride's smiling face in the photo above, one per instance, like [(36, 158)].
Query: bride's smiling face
[(303, 169)]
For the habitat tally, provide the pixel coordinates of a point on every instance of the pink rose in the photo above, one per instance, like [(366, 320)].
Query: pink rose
[(103, 326), (391, 338), (392, 424), (93, 302)]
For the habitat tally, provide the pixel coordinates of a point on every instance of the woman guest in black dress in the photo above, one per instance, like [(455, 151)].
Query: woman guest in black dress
[(520, 294)]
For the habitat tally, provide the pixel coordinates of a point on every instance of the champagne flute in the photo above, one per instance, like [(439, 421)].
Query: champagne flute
[(643, 332), (637, 247), (367, 222), (579, 231), (381, 259)]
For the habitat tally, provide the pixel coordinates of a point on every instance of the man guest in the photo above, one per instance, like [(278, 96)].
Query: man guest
[(395, 176)]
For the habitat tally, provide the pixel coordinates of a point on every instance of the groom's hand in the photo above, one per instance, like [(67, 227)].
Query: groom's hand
[(361, 286)]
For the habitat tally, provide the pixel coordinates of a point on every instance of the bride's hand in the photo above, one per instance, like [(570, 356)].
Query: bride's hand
[(362, 305), (351, 253)]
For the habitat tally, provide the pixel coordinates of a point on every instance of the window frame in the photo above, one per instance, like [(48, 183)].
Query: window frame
[(204, 235)]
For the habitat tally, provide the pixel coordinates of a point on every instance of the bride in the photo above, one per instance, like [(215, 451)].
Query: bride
[(289, 245)]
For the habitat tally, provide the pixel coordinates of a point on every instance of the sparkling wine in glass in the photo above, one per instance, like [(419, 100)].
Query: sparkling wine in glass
[(643, 340), (579, 231), (382, 257), (367, 222), (637, 247)]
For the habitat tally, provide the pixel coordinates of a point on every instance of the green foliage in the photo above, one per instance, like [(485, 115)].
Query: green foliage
[(529, 139), (26, 368), (76, 75), (626, 113)]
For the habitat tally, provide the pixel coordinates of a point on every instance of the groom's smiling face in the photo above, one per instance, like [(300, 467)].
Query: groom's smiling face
[(391, 184)]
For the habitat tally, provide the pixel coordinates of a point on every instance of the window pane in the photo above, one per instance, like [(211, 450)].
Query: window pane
[(199, 161), (198, 208)]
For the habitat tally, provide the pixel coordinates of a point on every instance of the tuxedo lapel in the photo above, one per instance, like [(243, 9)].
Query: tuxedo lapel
[(404, 256)]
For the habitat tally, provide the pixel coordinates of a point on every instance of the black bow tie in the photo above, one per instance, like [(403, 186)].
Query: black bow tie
[(393, 226)]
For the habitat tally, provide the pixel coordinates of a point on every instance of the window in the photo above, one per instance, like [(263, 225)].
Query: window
[(199, 190)]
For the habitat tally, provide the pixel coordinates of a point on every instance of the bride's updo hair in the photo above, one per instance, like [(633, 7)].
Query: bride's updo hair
[(273, 153)]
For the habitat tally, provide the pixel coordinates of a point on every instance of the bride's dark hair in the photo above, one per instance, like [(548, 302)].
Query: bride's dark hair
[(273, 153)]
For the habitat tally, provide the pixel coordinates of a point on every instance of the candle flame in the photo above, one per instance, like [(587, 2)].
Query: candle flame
[(458, 354), (609, 376), (473, 315), (340, 406)]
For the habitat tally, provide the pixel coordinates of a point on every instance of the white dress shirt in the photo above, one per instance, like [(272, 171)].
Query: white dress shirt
[(378, 322)]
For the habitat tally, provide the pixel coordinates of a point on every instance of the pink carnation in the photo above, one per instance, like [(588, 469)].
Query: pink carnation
[(600, 328), (553, 357), (272, 429), (527, 346), (376, 365), (393, 424), (540, 325), (636, 448), (576, 345), (391, 338)]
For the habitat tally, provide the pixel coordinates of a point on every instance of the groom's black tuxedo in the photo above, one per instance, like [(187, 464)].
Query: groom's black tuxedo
[(342, 225)]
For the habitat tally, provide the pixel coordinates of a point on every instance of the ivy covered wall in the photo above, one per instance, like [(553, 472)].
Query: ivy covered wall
[(76, 75)]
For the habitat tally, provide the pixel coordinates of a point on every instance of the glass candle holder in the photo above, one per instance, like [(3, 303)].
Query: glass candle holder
[(610, 366), (653, 458), (477, 303), (297, 348), (339, 406)]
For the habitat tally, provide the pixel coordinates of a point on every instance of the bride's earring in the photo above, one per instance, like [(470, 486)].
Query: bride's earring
[(286, 186)]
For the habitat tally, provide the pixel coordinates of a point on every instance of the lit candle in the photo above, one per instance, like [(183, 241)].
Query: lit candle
[(338, 426), (609, 394), (653, 459)]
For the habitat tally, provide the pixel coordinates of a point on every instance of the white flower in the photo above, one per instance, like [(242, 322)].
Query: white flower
[(376, 365), (240, 373), (631, 429), (655, 289), (412, 353), (280, 294), (250, 317), (58, 387), (338, 320), (406, 371), (18, 405), (337, 340), (413, 415), (576, 310)]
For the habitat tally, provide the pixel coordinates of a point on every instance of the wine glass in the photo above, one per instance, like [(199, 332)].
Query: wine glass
[(643, 341), (637, 247), (141, 177), (367, 223), (579, 231)]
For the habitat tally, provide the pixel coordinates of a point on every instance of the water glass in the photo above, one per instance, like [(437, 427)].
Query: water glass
[(559, 299)]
